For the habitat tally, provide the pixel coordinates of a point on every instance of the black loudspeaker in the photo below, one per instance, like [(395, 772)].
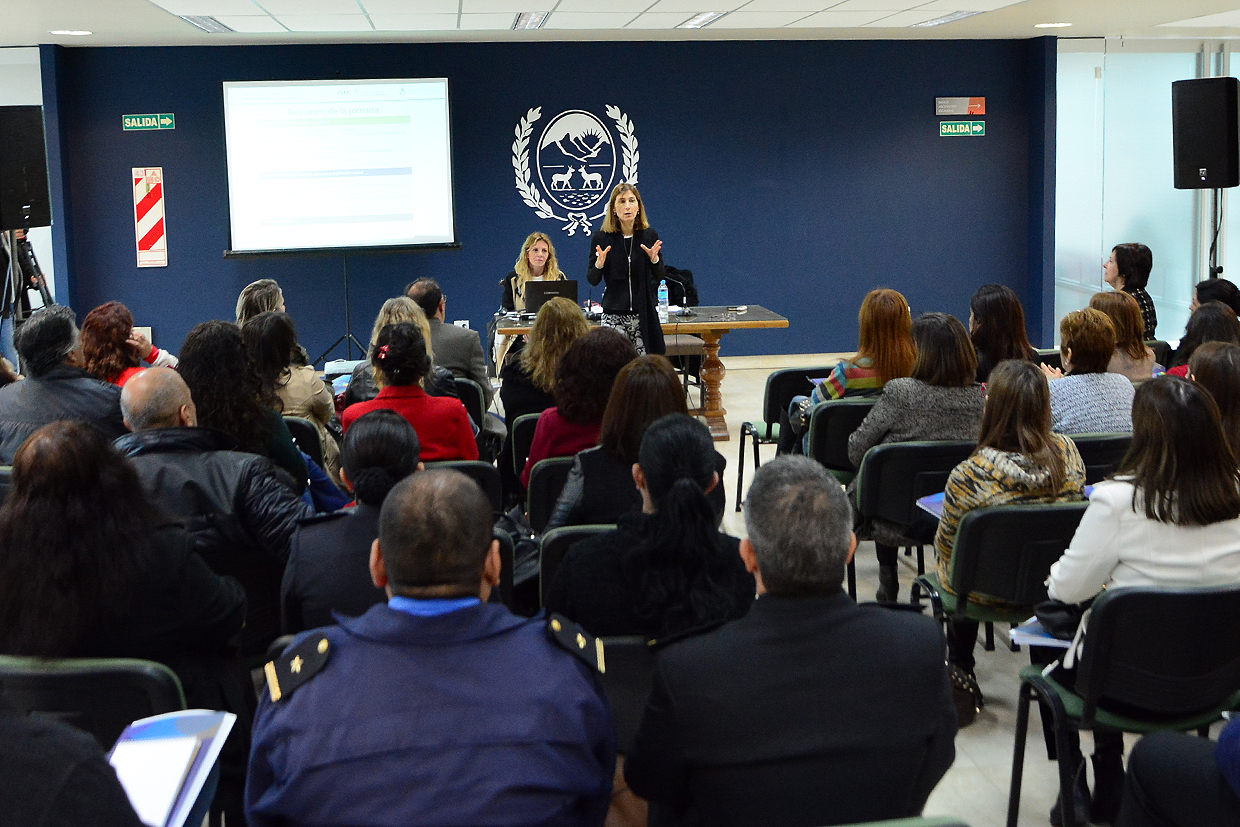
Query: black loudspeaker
[(24, 197), (1205, 123)]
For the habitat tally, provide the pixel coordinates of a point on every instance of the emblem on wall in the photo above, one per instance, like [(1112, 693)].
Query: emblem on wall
[(576, 163)]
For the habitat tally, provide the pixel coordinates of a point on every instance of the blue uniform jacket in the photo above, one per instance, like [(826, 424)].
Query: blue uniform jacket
[(474, 717)]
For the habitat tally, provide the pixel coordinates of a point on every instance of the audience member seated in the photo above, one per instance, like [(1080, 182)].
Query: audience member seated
[(885, 351), (1211, 322), (997, 328), (90, 567), (271, 339), (536, 262), (583, 381), (113, 351), (1128, 269), (1179, 780), (1215, 290), (1084, 397), (527, 380), (240, 511), (52, 774), (811, 709), (1132, 358), (458, 349), (401, 363), (1169, 517), (941, 400), (57, 386), (362, 386), (666, 570), (1018, 460), (230, 397), (262, 296), (436, 707), (600, 486), (327, 567), (1216, 367)]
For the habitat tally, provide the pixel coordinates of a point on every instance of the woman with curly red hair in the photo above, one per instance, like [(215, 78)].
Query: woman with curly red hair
[(113, 350)]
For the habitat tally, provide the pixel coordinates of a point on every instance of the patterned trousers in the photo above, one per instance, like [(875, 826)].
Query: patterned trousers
[(630, 326)]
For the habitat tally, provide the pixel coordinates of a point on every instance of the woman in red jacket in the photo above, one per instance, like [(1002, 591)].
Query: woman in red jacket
[(401, 364)]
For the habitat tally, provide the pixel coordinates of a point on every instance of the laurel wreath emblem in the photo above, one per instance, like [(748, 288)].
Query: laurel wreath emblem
[(529, 191)]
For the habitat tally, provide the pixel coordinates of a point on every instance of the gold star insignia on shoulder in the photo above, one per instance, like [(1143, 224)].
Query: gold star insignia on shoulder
[(297, 665), (577, 640)]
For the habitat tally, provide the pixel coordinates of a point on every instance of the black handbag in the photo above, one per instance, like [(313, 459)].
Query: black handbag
[(1059, 619)]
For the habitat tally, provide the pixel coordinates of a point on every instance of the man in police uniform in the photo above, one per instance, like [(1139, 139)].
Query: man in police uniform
[(436, 707)]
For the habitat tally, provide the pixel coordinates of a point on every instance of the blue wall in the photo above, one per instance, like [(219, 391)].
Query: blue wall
[(797, 175)]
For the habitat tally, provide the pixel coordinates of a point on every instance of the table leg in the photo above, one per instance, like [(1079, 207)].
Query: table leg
[(713, 372)]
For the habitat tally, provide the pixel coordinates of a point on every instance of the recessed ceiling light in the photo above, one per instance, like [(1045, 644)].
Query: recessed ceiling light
[(947, 18), (530, 20), (71, 32), (206, 23), (1051, 25), (701, 19)]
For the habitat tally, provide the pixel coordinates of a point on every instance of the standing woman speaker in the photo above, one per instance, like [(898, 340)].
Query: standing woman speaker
[(626, 254)]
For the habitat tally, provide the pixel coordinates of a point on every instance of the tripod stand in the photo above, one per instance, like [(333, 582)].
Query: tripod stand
[(348, 339), (23, 273)]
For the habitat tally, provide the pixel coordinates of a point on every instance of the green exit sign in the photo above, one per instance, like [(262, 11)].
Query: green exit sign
[(135, 122), (948, 129)]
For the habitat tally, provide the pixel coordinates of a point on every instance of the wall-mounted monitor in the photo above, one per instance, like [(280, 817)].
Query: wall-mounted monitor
[(338, 164)]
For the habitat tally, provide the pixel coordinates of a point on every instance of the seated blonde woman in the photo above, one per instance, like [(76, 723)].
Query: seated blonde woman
[(362, 386)]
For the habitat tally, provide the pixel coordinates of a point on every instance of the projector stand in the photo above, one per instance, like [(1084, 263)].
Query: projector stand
[(348, 338)]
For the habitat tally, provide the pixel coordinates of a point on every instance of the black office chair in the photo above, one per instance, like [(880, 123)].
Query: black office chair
[(924, 821), (627, 678), (1101, 453), (781, 386), (894, 476), (1005, 552), (1162, 351), (483, 473), (1170, 656), (99, 695), (507, 554), (307, 437), (6, 479), (522, 438), (471, 396), (552, 548), (830, 425), (547, 479)]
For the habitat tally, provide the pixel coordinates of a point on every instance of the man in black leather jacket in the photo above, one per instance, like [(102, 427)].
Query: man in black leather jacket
[(240, 508), (56, 387)]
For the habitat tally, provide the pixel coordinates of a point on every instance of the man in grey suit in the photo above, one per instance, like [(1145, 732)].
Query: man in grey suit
[(809, 710), (456, 348)]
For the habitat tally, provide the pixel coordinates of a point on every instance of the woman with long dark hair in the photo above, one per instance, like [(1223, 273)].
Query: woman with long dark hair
[(997, 328), (1170, 516), (667, 569), (626, 254), (113, 350), (1211, 322), (401, 364), (230, 396), (328, 562), (1216, 367), (1128, 269), (941, 400), (1018, 460)]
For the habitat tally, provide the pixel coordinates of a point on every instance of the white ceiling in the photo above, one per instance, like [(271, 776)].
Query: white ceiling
[(157, 22)]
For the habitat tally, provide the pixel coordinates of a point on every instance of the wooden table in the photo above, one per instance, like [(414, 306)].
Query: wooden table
[(710, 322)]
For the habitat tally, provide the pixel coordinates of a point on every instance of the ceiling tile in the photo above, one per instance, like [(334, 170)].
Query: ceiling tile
[(635, 6), (659, 20), (802, 6), (208, 8), (486, 22), (837, 20), (901, 19), (311, 7), (875, 5), (505, 6), (373, 7), (948, 6), (756, 19), (1225, 19), (587, 20), (695, 6), (326, 22), (249, 23), (414, 22)]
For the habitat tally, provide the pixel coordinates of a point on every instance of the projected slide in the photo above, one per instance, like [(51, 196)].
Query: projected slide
[(322, 164)]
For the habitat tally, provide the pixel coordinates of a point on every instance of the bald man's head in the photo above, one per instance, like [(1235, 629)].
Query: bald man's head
[(157, 398)]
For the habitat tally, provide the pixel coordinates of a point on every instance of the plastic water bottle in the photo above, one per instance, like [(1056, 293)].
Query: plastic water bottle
[(663, 301)]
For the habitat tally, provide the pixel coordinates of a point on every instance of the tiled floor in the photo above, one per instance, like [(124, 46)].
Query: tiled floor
[(975, 789)]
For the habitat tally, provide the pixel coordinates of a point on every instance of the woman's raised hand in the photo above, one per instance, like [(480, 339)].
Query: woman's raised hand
[(653, 251), (600, 256)]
